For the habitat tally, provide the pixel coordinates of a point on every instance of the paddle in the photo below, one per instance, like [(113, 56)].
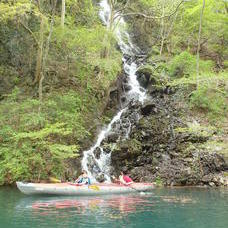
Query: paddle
[(127, 185), (94, 187), (141, 192), (54, 180)]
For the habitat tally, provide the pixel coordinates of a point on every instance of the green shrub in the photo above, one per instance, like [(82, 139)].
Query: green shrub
[(159, 182), (211, 100), (184, 65), (36, 145)]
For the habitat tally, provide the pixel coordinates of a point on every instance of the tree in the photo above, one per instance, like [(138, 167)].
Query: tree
[(198, 46), (63, 13), (162, 26), (39, 56), (43, 72)]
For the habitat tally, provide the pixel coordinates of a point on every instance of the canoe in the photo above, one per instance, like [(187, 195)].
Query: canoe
[(85, 190)]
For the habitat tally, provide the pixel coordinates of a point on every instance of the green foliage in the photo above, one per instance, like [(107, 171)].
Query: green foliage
[(197, 130), (211, 100), (86, 13), (214, 28), (35, 145), (19, 8), (184, 65), (148, 2), (82, 48), (180, 30), (159, 182)]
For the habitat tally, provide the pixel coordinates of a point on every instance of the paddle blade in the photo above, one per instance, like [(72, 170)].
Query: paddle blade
[(54, 180), (94, 187)]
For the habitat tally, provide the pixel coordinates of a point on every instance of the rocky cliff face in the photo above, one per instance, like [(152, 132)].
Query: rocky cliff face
[(165, 144)]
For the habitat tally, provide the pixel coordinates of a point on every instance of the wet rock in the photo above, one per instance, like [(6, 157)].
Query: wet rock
[(143, 80), (100, 177), (107, 148), (148, 108), (212, 184), (144, 76), (113, 137), (221, 181), (97, 152), (93, 166), (126, 87), (169, 90), (134, 105), (123, 99), (156, 90), (207, 178)]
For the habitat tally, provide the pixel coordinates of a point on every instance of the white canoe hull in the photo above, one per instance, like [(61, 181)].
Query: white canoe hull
[(72, 190)]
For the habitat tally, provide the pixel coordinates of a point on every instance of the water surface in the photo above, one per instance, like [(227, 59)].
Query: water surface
[(166, 208)]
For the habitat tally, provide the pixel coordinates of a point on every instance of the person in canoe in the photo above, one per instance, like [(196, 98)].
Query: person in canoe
[(83, 179), (123, 179)]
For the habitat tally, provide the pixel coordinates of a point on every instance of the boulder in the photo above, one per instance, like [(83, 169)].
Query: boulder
[(97, 152), (113, 137), (207, 178), (144, 75), (126, 87), (100, 177), (93, 166), (212, 184), (148, 108)]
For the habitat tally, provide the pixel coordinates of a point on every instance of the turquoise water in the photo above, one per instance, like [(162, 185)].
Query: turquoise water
[(165, 208)]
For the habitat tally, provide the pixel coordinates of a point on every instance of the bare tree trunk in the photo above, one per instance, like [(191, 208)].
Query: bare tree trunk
[(162, 27), (40, 90), (198, 47), (63, 13), (169, 44), (39, 52)]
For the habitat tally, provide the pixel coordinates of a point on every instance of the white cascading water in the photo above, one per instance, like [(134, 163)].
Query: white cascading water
[(136, 92)]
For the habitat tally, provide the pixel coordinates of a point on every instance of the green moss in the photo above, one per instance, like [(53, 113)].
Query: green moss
[(146, 69), (198, 130)]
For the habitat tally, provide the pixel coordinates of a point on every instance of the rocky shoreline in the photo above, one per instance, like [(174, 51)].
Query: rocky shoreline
[(166, 145)]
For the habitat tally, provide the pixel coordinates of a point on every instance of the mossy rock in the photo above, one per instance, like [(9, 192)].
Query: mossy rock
[(146, 69)]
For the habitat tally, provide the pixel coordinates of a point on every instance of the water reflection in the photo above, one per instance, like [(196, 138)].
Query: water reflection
[(176, 199), (114, 207)]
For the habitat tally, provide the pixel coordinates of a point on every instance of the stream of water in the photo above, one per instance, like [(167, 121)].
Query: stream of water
[(101, 165)]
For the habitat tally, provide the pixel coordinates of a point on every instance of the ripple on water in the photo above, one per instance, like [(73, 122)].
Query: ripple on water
[(201, 208)]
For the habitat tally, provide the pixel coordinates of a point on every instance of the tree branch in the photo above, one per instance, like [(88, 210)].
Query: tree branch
[(148, 16), (30, 31), (123, 8)]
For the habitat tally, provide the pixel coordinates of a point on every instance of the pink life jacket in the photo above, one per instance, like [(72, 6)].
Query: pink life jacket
[(127, 179)]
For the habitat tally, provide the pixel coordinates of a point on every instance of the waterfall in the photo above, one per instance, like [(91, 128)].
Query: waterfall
[(96, 160)]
